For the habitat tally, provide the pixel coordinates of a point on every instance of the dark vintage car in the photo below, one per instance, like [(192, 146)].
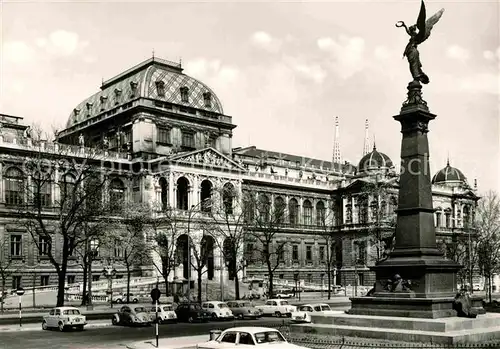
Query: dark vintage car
[(136, 315), (191, 312)]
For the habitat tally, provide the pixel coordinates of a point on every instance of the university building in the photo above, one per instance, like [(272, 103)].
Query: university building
[(169, 136)]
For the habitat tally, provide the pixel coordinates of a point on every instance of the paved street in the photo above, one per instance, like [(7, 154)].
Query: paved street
[(114, 336)]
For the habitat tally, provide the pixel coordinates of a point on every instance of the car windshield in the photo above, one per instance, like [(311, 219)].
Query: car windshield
[(71, 312), (304, 308), (325, 307), (168, 308), (140, 309), (245, 305), (269, 337), (284, 303), (222, 305)]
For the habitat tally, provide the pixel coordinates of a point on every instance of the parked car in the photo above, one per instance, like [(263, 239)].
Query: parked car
[(244, 310), (122, 298), (304, 312), (132, 316), (284, 294), (166, 313), (256, 336), (277, 307), (218, 310), (63, 318), (191, 312)]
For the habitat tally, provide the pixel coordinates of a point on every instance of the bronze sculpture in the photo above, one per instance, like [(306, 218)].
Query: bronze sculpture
[(418, 34)]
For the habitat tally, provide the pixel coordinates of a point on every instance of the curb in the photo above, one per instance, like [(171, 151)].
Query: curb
[(31, 328)]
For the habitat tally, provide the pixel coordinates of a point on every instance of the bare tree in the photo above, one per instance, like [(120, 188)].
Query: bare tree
[(264, 223), (131, 223), (75, 175), (226, 224), (167, 227), (487, 224), (5, 268)]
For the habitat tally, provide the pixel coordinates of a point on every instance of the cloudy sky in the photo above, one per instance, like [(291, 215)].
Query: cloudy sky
[(283, 70)]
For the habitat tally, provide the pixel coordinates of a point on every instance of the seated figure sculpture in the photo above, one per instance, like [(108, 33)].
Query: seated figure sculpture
[(463, 305)]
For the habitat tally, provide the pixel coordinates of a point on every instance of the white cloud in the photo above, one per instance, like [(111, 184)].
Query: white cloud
[(64, 43), (382, 53), (313, 72), (204, 69), (17, 52), (347, 54), (458, 52), (481, 83), (492, 55), (264, 40)]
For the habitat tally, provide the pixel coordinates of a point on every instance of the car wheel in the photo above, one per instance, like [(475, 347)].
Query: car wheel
[(240, 316), (79, 328), (214, 316), (114, 321), (160, 321), (190, 319), (277, 314), (119, 301), (44, 326), (135, 300), (61, 327)]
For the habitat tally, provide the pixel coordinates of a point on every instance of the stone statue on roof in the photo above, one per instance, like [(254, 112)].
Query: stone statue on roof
[(81, 140), (27, 132)]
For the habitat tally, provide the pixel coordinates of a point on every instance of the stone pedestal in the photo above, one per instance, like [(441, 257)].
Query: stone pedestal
[(416, 280)]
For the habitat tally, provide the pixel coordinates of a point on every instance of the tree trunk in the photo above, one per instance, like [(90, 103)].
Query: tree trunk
[(270, 285), (199, 286), (128, 282), (85, 275), (2, 294), (329, 270), (61, 283), (236, 286), (167, 291)]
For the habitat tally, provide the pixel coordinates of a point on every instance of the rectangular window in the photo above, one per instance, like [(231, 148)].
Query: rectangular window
[(295, 252), (322, 253), (42, 193), (309, 253), (184, 94), (44, 280), (310, 278), (163, 135), (16, 249), (95, 277), (43, 246), (71, 279), (16, 282), (188, 140), (281, 254), (118, 249), (282, 276)]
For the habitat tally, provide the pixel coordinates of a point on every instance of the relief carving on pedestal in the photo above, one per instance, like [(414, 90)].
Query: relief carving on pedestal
[(398, 284)]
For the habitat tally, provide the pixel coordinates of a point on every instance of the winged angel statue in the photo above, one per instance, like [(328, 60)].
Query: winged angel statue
[(418, 34)]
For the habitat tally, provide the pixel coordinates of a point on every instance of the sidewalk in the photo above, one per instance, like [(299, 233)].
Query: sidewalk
[(171, 343), (38, 326)]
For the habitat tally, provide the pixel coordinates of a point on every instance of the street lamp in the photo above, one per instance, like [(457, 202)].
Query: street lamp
[(92, 254), (109, 273)]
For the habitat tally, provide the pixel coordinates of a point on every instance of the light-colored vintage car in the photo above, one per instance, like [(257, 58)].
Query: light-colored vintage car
[(244, 310), (166, 313), (277, 307), (136, 315), (304, 312), (255, 336), (218, 310), (64, 318)]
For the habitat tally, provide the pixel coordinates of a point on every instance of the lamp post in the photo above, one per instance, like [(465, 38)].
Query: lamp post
[(92, 254), (109, 273)]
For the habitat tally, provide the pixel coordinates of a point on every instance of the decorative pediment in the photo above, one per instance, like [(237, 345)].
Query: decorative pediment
[(207, 157)]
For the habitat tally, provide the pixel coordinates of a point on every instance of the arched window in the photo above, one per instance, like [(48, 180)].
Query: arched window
[(41, 188), (362, 209), (68, 187), (182, 193), (207, 255), (279, 209), (466, 216), (308, 208), (293, 211), (374, 208), (320, 213), (263, 208), (116, 194), (228, 195), (248, 206), (164, 193), (206, 196), (14, 186)]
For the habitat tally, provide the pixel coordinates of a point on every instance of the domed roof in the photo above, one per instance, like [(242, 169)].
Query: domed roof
[(374, 161), (155, 79), (449, 175)]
